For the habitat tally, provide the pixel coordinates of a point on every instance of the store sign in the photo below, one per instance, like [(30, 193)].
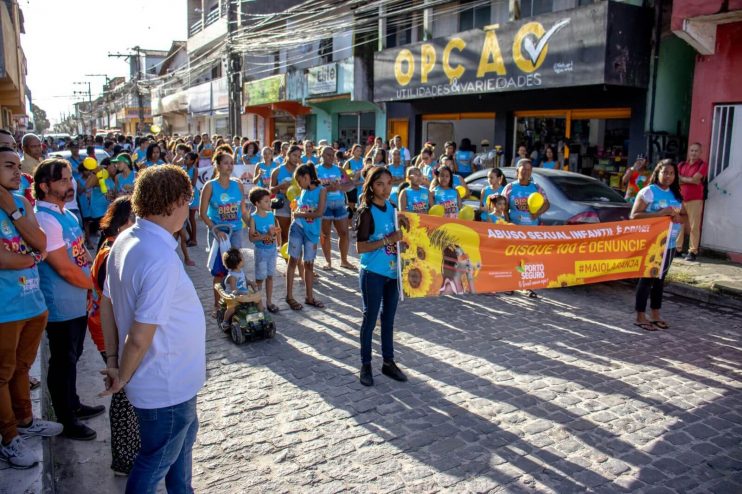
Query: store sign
[(322, 79), (597, 44), (264, 91)]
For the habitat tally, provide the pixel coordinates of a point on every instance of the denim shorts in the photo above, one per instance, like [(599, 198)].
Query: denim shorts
[(298, 242), (336, 210), (265, 263)]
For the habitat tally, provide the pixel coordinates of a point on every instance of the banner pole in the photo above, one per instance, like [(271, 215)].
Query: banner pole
[(399, 259)]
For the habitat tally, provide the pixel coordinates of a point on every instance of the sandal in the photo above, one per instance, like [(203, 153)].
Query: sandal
[(273, 308), (660, 324), (646, 326), (34, 383), (348, 266), (190, 262), (314, 303), (293, 304), (532, 294), (191, 243)]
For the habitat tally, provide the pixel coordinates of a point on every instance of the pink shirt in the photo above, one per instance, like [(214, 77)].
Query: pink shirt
[(692, 192)]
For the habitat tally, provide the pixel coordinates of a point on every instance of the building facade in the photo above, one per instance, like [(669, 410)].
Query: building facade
[(13, 102)]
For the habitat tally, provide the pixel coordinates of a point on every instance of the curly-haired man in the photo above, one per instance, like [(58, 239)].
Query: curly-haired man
[(155, 331)]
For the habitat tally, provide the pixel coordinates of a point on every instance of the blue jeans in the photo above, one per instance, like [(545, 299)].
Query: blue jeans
[(167, 436), (378, 292)]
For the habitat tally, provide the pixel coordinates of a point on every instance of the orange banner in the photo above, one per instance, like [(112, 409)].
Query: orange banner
[(443, 256)]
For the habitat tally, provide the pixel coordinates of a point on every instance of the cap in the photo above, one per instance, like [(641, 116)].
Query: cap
[(640, 156), (122, 158), (484, 142)]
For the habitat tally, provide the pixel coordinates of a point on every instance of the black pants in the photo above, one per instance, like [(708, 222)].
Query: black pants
[(66, 339), (652, 288)]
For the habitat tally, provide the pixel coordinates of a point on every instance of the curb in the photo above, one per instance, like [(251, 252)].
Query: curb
[(718, 294), (47, 474)]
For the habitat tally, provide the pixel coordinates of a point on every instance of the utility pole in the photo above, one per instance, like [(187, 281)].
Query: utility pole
[(234, 73), (90, 101), (106, 88), (138, 60)]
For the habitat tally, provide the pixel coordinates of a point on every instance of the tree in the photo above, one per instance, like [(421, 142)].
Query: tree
[(39, 118)]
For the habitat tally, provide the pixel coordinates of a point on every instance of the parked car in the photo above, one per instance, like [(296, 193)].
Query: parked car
[(574, 198), (99, 154)]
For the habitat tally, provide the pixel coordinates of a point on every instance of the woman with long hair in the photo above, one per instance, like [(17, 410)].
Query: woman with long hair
[(661, 197), (125, 442), (443, 193), (223, 204), (376, 242)]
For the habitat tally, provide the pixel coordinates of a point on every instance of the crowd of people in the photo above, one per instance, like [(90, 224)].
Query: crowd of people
[(134, 201)]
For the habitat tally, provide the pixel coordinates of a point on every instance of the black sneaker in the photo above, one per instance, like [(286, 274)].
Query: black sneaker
[(690, 256), (367, 377), (390, 369), (87, 412), (79, 432)]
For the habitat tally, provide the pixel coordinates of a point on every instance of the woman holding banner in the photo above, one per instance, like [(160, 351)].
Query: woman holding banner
[(376, 242), (661, 197)]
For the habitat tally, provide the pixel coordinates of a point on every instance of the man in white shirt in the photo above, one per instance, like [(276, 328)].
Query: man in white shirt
[(155, 331)]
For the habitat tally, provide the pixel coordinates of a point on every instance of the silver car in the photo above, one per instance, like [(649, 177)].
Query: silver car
[(574, 198), (100, 155)]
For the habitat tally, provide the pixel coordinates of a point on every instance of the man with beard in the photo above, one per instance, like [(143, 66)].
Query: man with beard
[(65, 281)]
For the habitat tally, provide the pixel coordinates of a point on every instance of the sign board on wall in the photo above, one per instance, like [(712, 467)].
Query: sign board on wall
[(264, 91), (596, 44), (322, 79)]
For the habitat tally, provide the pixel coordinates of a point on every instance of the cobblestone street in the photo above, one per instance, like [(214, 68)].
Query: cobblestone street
[(562, 394)]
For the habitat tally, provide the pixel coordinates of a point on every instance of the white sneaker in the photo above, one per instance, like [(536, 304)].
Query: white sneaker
[(42, 428), (17, 454)]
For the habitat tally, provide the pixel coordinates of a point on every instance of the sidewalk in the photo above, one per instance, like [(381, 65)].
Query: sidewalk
[(709, 280)]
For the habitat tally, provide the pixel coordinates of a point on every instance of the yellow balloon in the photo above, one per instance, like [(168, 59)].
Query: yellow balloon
[(155, 129), (461, 190), (466, 213), (102, 176), (535, 202), (437, 210), (292, 192), (90, 163), (348, 171), (285, 251)]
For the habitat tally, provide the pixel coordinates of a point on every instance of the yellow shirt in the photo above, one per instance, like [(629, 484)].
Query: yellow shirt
[(29, 164)]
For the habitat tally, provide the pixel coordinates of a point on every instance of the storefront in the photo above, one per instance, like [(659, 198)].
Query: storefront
[(339, 102), (574, 80), (281, 118)]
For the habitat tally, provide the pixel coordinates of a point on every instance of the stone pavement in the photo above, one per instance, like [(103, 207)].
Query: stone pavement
[(561, 394)]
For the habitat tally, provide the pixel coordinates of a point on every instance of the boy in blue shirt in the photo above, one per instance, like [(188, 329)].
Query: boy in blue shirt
[(264, 231)]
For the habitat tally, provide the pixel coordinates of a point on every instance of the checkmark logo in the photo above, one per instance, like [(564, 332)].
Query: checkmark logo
[(534, 51)]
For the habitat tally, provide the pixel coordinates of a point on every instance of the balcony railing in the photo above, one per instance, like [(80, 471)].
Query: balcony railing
[(195, 28), (212, 17)]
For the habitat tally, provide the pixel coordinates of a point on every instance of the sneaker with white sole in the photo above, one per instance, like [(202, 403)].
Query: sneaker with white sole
[(17, 454), (42, 428)]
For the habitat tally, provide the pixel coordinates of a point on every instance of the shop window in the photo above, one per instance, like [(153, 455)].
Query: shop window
[(725, 135), (475, 17)]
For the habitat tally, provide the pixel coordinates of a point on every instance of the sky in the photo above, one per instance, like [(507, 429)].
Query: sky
[(66, 39)]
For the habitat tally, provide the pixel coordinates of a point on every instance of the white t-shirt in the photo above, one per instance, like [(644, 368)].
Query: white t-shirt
[(147, 283), (51, 226)]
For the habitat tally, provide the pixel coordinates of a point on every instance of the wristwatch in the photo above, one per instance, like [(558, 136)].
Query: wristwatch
[(16, 215)]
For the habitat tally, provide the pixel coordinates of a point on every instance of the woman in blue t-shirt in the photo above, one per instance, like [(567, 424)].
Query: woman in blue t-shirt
[(550, 160), (660, 198), (376, 242)]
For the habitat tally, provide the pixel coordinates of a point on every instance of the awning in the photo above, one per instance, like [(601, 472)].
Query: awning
[(293, 108)]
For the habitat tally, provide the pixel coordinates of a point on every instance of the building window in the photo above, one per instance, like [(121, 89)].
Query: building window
[(475, 17), (725, 133), (325, 50), (399, 31), (531, 8)]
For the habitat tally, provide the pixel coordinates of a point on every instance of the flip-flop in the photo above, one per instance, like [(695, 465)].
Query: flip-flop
[(190, 262), (661, 324), (532, 294), (273, 308), (348, 266), (646, 326), (314, 303), (326, 267), (294, 304)]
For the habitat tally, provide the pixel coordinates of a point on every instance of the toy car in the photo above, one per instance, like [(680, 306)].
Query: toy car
[(248, 322)]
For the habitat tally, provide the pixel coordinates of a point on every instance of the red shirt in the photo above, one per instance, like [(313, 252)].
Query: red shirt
[(692, 192)]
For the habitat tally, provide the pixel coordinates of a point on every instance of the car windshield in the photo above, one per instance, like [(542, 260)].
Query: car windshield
[(585, 189)]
